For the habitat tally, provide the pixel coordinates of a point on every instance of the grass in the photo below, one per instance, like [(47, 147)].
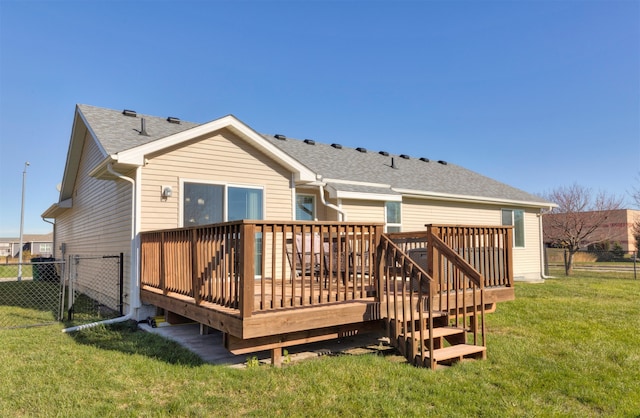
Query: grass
[(569, 347)]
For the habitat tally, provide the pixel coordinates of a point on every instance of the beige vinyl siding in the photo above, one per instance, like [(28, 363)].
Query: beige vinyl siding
[(363, 210), (220, 158), (98, 224), (418, 212), (526, 261)]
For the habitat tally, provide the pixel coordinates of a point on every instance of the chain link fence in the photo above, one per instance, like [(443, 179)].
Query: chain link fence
[(93, 288), (30, 293), (80, 289)]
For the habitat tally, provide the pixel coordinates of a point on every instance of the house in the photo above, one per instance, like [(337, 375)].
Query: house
[(37, 244), (134, 182), (616, 228)]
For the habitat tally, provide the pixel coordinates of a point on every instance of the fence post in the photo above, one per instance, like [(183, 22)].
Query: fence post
[(247, 273), (121, 284)]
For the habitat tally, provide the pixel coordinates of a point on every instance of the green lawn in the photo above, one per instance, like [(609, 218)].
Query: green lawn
[(569, 347)]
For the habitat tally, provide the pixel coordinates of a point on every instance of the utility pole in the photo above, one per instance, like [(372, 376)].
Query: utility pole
[(24, 178)]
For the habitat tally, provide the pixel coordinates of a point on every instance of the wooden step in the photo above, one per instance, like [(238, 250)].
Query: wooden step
[(458, 352), (437, 333)]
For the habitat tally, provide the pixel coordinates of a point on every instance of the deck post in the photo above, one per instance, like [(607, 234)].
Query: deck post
[(194, 266), (247, 269), (276, 356), (509, 257)]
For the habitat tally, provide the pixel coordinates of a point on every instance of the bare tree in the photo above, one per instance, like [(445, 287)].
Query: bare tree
[(579, 220), (635, 229)]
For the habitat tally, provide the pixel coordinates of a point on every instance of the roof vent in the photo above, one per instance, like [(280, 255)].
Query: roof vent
[(128, 112), (426, 160), (309, 141), (442, 162), (143, 127), (360, 149), (405, 156), (336, 146), (280, 137), (385, 153), (171, 119), (393, 163)]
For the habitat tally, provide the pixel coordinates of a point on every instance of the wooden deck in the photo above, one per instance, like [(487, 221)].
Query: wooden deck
[(272, 285)]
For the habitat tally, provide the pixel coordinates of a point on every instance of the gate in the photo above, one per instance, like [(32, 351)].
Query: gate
[(30, 293), (94, 288)]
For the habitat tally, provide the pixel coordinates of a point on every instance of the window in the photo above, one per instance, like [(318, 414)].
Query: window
[(392, 217), (45, 248), (305, 207), (213, 203), (515, 218)]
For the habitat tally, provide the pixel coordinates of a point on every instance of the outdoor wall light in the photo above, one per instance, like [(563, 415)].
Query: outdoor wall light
[(166, 191)]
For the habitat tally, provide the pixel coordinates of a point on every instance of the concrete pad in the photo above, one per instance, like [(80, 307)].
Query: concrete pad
[(210, 349)]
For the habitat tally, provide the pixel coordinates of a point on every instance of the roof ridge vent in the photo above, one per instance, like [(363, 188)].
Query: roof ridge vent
[(128, 112), (280, 137), (309, 141), (360, 149), (443, 162), (336, 146), (426, 160), (385, 153), (405, 156), (171, 119), (143, 127)]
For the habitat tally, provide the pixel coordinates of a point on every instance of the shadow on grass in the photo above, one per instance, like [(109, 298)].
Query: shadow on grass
[(127, 338)]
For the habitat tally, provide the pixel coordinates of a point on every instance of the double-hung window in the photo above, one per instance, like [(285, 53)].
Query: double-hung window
[(392, 217), (305, 207), (515, 218)]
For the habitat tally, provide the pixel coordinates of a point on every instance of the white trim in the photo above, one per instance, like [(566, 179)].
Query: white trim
[(136, 156), (315, 208), (357, 183), (513, 225), (363, 196), (471, 199), (392, 224)]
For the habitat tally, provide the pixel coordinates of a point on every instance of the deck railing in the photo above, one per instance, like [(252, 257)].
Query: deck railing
[(253, 266), (487, 248), (257, 266), (412, 292)]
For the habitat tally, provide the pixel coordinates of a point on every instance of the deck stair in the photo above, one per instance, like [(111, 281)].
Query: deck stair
[(425, 330)]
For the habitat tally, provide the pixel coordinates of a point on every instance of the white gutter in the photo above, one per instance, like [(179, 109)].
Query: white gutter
[(331, 205), (134, 301)]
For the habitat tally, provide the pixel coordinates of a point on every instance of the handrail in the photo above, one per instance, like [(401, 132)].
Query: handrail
[(405, 292), (458, 261)]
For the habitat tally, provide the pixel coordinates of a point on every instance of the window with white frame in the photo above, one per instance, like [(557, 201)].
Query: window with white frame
[(515, 218), (392, 217), (205, 203), (305, 207)]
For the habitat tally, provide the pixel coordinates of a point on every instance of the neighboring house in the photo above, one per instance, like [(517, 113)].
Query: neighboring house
[(127, 173), (618, 228), (40, 245)]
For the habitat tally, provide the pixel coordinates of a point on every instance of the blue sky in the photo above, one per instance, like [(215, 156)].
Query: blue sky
[(537, 94)]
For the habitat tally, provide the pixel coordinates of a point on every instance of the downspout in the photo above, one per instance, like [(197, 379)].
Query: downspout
[(331, 205), (53, 249), (134, 301), (542, 247)]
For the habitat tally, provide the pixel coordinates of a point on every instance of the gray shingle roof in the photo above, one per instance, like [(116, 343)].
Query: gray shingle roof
[(412, 174), (117, 132)]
